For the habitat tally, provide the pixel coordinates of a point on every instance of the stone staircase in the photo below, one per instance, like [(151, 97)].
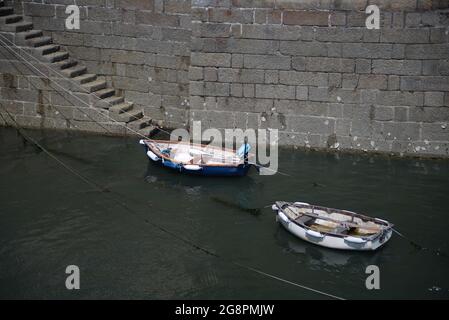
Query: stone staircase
[(43, 48)]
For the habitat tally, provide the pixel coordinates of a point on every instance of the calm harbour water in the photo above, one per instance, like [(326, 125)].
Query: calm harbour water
[(50, 219)]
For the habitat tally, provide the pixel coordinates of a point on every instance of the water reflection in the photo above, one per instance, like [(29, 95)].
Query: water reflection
[(320, 258), (238, 192), (56, 218)]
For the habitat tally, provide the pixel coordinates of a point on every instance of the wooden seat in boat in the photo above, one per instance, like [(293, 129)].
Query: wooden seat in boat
[(340, 230), (320, 228), (304, 219), (364, 232)]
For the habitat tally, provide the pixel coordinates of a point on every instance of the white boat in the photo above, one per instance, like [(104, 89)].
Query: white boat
[(333, 228)]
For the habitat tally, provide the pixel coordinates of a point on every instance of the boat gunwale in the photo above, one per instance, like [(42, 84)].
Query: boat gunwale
[(160, 155)]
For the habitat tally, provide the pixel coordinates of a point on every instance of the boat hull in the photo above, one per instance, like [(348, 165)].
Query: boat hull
[(330, 241), (208, 171)]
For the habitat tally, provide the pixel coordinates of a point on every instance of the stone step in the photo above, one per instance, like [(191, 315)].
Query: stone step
[(109, 102), (64, 64), (56, 56), (130, 115), (140, 123), (47, 49), (23, 37), (40, 41), (43, 47), (16, 26), (148, 131), (120, 108), (95, 85), (158, 123), (5, 11), (85, 78), (74, 71), (104, 93), (10, 18)]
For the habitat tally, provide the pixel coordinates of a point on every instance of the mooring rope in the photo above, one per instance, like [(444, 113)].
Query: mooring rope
[(68, 91), (136, 132), (289, 282), (70, 121), (102, 114), (265, 168), (123, 204), (420, 247)]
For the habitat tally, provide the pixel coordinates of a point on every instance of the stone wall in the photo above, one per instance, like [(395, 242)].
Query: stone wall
[(314, 71), (140, 46), (309, 68)]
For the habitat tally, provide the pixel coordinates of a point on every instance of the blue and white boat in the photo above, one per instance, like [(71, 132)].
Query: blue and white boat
[(198, 159)]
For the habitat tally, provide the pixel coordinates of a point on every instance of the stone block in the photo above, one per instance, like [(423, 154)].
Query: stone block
[(362, 66), (398, 67), (275, 91), (330, 65), (402, 131), (302, 48), (368, 50), (383, 113), (311, 125), (231, 15), (372, 81), (271, 76), (306, 18), (211, 59), (397, 98), (434, 99), (401, 114), (435, 132), (414, 35), (267, 62), (216, 89), (303, 78), (236, 90), (251, 46), (196, 73), (427, 51), (426, 83), (428, 114)]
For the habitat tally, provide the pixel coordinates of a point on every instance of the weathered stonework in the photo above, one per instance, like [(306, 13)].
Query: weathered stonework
[(140, 47), (309, 68), (312, 70)]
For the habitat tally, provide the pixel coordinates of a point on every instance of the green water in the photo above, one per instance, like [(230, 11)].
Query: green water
[(50, 219)]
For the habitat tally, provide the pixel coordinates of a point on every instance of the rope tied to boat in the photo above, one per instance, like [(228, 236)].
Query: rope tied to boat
[(114, 196), (415, 244), (438, 252), (12, 44)]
